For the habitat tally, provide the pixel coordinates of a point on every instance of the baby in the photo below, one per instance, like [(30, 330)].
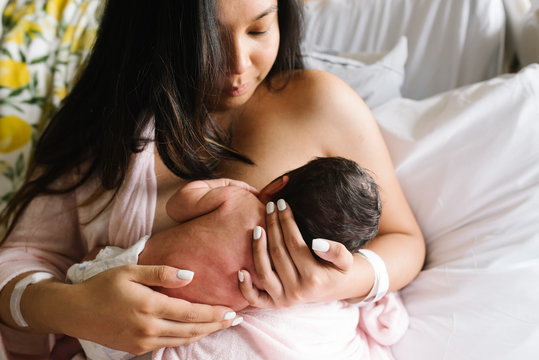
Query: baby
[(331, 198)]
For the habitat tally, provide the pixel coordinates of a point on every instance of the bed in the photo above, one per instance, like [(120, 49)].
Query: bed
[(454, 86)]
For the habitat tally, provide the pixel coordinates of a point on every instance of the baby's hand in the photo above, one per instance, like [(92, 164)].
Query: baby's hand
[(269, 191), (203, 196)]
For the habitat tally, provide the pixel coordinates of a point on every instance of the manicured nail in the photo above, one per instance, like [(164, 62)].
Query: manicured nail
[(230, 315), (240, 276), (281, 204), (270, 207), (185, 274), (320, 245), (237, 321), (257, 232)]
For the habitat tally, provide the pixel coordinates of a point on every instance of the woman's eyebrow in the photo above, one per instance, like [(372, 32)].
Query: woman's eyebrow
[(268, 11)]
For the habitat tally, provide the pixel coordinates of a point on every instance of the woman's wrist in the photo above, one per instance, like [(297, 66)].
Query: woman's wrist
[(362, 276), (31, 307), (43, 306), (381, 277), (18, 291)]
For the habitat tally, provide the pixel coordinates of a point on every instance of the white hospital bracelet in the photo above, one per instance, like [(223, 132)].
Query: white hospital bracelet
[(381, 278), (16, 295)]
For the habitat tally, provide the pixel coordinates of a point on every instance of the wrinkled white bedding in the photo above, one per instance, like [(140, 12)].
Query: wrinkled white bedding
[(451, 43), (468, 161)]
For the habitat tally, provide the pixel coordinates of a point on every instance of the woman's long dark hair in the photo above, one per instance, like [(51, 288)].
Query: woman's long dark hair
[(150, 59)]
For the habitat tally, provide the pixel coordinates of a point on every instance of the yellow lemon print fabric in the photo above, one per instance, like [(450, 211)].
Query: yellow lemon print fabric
[(14, 133), (43, 43)]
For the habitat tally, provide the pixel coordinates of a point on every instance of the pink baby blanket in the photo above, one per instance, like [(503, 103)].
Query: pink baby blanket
[(336, 330)]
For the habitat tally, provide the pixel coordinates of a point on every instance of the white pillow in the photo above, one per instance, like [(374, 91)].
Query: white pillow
[(468, 161), (450, 43), (377, 78)]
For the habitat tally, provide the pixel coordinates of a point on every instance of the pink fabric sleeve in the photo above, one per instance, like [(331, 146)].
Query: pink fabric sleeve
[(47, 238)]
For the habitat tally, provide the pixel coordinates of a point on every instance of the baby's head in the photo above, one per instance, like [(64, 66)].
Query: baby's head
[(333, 198)]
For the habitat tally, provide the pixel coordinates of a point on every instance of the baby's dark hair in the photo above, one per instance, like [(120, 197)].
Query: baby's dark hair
[(333, 198)]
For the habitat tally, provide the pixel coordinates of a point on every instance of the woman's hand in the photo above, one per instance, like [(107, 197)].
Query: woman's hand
[(286, 268), (124, 313)]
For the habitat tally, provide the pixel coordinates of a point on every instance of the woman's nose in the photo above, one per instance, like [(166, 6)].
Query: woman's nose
[(240, 58)]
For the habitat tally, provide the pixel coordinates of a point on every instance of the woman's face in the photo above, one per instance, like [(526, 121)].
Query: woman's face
[(252, 31)]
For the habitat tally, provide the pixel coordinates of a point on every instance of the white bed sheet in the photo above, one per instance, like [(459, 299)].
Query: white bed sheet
[(451, 42), (468, 161)]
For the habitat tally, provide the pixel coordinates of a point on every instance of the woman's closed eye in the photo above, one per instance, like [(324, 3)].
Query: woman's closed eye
[(258, 33), (262, 27)]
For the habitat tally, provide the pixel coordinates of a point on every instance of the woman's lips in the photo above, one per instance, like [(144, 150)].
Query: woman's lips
[(237, 90)]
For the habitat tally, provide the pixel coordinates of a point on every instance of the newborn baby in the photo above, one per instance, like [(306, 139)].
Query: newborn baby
[(332, 198)]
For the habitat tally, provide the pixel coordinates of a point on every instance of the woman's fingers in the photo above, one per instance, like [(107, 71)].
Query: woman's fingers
[(263, 266), (334, 252), (276, 238), (251, 293), (286, 268), (179, 310), (160, 275), (187, 330), (164, 333), (136, 315), (296, 246)]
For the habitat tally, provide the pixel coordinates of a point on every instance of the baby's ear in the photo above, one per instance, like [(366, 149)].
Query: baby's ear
[(266, 194)]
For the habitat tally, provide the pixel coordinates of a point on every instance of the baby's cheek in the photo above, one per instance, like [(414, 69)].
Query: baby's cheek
[(216, 272)]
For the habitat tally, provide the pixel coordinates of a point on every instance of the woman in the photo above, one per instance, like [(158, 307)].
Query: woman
[(219, 86)]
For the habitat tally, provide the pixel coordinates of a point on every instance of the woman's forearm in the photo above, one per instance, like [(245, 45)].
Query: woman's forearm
[(403, 255), (40, 305), (118, 308)]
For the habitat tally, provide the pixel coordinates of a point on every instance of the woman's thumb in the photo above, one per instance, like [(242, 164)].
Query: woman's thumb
[(334, 252), (164, 276)]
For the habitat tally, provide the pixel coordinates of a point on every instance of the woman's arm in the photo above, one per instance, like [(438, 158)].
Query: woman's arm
[(117, 308), (356, 135), (343, 126)]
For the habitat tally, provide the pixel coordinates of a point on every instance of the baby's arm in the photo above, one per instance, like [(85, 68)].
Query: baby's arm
[(201, 197)]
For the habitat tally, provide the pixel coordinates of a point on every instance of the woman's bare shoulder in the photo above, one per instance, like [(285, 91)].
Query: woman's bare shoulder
[(319, 93), (323, 102)]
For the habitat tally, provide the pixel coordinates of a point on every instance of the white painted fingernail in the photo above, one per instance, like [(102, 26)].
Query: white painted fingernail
[(320, 245), (281, 204), (270, 207), (230, 315), (185, 274), (237, 321), (240, 276), (257, 232)]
